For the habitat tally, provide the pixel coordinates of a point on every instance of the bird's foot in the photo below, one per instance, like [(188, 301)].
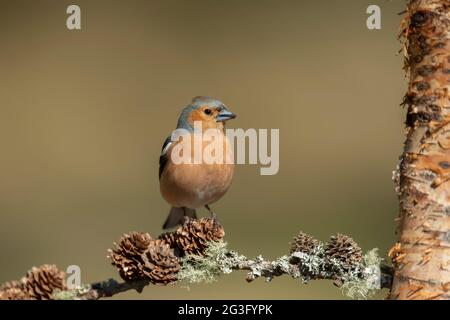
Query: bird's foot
[(212, 214), (186, 220)]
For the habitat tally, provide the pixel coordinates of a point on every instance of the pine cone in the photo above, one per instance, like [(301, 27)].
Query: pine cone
[(344, 249), (170, 238), (160, 264), (304, 243), (126, 257), (41, 282), (11, 285), (193, 237), (14, 294)]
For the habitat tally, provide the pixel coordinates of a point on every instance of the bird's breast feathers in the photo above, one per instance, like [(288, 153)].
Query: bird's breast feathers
[(192, 184)]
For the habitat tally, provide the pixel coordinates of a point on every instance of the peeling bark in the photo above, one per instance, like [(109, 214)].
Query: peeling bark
[(422, 256)]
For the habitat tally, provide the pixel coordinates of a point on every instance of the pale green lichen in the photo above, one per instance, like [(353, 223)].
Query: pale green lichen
[(203, 269), (358, 281), (316, 265), (372, 258), (310, 264), (365, 287), (72, 294), (282, 264)]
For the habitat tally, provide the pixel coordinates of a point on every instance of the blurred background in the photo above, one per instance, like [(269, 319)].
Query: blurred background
[(83, 115)]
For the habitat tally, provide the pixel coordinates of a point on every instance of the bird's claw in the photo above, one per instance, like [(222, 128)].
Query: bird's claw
[(186, 220)]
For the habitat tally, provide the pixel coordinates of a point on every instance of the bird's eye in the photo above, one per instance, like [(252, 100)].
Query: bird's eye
[(207, 111)]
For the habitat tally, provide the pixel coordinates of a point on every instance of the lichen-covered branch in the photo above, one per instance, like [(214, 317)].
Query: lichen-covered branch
[(422, 255), (360, 281), (98, 290), (196, 253)]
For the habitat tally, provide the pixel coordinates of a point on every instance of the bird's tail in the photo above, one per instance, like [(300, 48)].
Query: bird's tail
[(176, 216)]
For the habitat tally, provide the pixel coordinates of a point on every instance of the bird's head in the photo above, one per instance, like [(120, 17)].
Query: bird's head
[(211, 112)]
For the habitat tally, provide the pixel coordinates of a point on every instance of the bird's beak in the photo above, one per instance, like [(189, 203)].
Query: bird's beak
[(225, 115)]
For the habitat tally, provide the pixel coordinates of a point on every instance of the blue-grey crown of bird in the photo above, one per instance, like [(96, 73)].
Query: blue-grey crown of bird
[(187, 187), (197, 103)]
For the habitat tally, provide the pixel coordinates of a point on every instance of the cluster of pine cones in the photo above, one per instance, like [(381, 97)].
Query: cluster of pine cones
[(138, 256), (38, 284), (340, 247)]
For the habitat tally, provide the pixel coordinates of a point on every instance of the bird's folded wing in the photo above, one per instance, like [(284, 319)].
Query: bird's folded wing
[(164, 157)]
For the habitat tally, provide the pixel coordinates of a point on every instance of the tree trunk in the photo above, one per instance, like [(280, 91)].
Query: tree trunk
[(422, 256)]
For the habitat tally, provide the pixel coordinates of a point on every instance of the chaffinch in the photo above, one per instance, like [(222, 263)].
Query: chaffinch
[(189, 185)]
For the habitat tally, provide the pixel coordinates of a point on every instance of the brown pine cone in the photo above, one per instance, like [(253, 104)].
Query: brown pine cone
[(41, 282), (304, 243), (170, 238), (193, 237), (14, 294), (126, 257), (13, 290), (11, 285), (160, 264), (344, 249)]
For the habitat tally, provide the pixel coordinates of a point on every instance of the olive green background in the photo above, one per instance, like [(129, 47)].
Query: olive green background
[(83, 115)]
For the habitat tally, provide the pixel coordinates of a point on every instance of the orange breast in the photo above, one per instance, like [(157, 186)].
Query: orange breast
[(195, 185)]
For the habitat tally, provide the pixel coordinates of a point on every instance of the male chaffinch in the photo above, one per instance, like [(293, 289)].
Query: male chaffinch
[(188, 186)]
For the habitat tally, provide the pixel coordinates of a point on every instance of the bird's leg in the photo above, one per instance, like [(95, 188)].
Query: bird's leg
[(212, 214)]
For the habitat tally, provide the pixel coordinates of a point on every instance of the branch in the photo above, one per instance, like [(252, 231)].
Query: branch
[(142, 261), (196, 253), (360, 282)]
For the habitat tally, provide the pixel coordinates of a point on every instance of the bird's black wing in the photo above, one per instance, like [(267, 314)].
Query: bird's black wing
[(164, 157)]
